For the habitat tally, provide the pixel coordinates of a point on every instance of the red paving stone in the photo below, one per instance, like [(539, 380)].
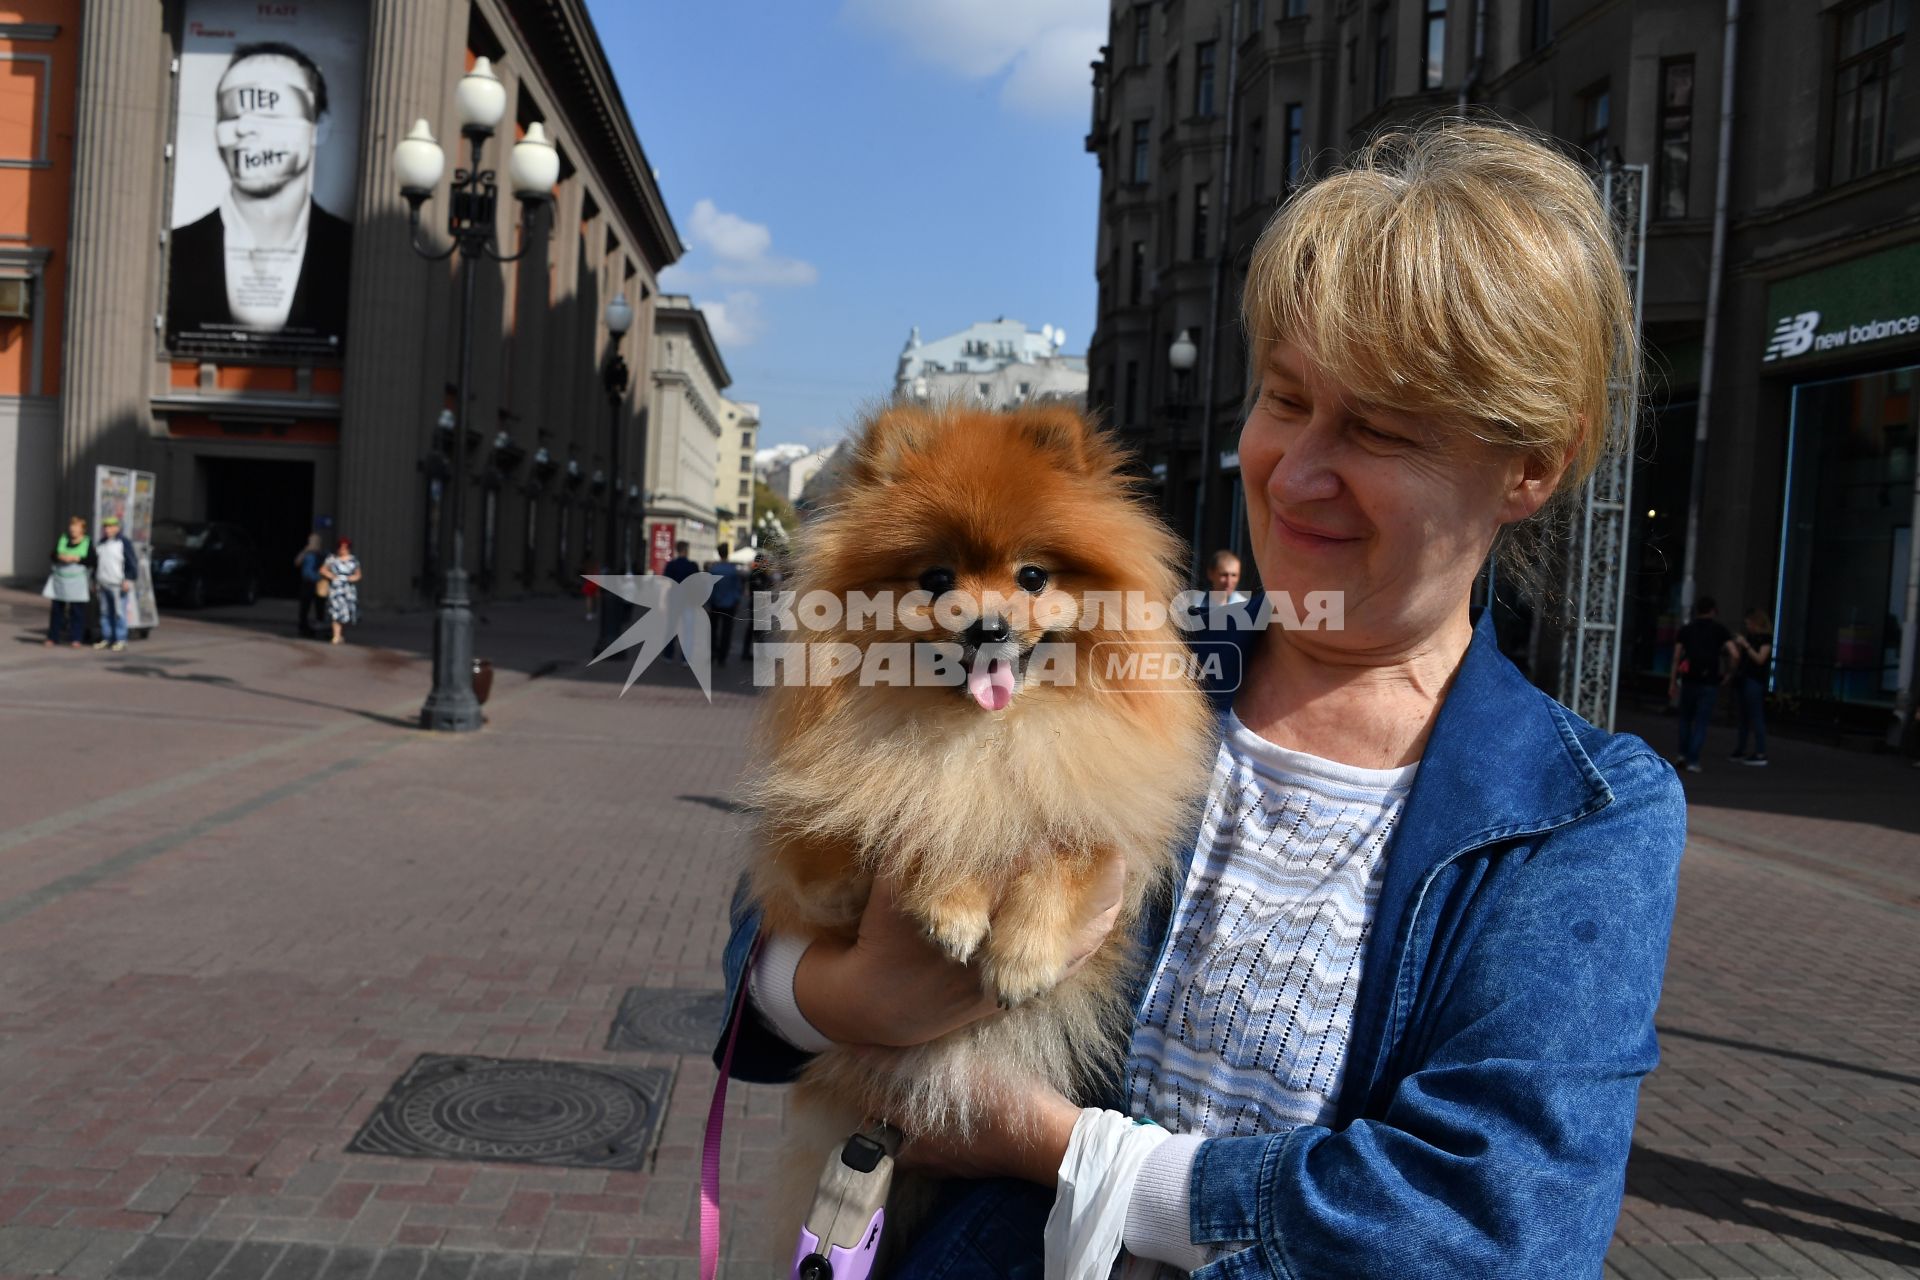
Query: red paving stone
[(238, 898)]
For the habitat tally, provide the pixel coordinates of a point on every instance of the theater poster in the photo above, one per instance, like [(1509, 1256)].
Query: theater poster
[(265, 159)]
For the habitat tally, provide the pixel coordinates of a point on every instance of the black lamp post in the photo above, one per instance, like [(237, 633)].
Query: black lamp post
[(533, 168), (615, 378)]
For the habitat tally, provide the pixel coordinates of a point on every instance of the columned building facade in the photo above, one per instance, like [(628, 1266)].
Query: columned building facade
[(313, 381)]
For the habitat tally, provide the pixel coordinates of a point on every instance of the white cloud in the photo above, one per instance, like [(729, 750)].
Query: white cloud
[(1041, 47), (742, 250), (735, 320)]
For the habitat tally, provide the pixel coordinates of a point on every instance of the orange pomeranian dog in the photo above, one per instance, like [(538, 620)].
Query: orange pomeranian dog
[(994, 771)]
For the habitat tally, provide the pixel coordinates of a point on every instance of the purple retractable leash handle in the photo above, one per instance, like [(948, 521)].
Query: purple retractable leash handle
[(841, 1236)]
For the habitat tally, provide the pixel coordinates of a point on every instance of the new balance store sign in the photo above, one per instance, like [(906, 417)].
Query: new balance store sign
[(1872, 300)]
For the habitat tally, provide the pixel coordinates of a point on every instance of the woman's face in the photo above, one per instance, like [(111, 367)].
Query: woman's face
[(1394, 511)]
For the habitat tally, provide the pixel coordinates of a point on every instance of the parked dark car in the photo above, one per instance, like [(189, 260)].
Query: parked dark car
[(200, 562)]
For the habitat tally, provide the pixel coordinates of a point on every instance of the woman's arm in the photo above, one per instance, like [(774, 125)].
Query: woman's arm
[(1501, 1145)]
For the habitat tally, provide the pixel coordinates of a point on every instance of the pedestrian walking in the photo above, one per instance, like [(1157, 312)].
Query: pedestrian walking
[(312, 598), (588, 587), (116, 568), (760, 579), (1702, 655), (679, 569), (1753, 648), (67, 585), (724, 602), (341, 573)]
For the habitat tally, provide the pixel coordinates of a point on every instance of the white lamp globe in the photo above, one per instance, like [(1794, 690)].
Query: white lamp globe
[(619, 315), (481, 98), (418, 161), (1183, 353), (534, 166)]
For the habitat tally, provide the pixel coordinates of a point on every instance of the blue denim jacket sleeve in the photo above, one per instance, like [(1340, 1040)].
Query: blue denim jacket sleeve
[(1501, 1144), (759, 1055)]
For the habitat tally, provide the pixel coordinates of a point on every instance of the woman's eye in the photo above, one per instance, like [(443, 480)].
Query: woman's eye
[(1032, 578), (1375, 436), (937, 581)]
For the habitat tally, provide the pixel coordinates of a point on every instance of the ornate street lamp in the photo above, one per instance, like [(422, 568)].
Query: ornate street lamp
[(532, 169), (615, 377)]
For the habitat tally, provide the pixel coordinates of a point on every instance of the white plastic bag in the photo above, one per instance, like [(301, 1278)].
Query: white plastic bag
[(1087, 1228)]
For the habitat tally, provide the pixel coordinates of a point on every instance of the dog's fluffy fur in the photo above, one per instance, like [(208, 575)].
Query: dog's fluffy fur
[(994, 821)]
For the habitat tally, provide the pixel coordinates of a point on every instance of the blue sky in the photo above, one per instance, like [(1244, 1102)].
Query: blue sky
[(842, 170)]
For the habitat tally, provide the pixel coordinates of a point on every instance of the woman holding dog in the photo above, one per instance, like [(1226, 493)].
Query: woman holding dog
[(1394, 1019)]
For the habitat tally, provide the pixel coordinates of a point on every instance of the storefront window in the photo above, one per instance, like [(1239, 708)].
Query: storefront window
[(1848, 536)]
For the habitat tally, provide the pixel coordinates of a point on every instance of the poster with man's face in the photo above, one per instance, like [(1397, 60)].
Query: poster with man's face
[(266, 154)]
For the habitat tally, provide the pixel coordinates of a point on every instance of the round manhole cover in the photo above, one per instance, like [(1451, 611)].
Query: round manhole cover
[(555, 1113), (669, 1020)]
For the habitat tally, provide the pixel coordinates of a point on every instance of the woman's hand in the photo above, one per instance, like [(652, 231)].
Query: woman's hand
[(894, 987), (1023, 1133)]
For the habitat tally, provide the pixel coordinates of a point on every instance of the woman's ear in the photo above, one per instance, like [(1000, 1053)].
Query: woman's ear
[(1532, 479)]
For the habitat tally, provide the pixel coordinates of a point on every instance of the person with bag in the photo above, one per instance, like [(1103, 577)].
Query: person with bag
[(67, 585), (724, 602), (339, 576), (1702, 654), (313, 588)]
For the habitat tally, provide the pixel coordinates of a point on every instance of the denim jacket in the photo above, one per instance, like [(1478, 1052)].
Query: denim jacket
[(1504, 1019)]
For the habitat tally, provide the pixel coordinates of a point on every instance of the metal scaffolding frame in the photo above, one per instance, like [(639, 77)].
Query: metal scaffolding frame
[(1596, 579)]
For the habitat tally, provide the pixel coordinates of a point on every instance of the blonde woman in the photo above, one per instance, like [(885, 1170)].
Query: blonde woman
[(1393, 1019)]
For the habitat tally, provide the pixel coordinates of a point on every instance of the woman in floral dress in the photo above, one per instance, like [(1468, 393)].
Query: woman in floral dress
[(342, 572)]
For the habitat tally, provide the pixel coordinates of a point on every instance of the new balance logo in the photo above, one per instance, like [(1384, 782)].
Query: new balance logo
[(1793, 336)]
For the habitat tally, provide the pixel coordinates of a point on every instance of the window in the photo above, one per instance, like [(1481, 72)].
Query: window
[(1133, 392), (1866, 85), (1256, 15), (1256, 159), (746, 511), (1026, 389), (1136, 286), (1382, 52), (1201, 199), (1594, 113), (1353, 59), (986, 391), (1141, 150), (1433, 45), (1173, 86), (1295, 9), (1296, 159), (1170, 229), (1674, 163), (1203, 55), (746, 489), (1539, 24), (1142, 38), (746, 439)]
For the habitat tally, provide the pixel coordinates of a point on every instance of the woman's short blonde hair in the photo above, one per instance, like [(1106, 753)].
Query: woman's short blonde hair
[(1462, 271)]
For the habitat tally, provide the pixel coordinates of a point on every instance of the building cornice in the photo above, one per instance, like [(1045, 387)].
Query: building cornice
[(562, 40)]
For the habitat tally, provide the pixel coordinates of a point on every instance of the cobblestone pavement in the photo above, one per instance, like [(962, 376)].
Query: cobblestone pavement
[(240, 896)]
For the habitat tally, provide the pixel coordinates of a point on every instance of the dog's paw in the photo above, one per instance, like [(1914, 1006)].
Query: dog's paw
[(957, 930), (1017, 973)]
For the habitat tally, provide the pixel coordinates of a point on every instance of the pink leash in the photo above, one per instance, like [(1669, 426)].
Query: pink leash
[(716, 1116)]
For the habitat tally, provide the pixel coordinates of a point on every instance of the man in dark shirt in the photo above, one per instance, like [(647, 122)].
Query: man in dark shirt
[(1702, 655), (680, 568)]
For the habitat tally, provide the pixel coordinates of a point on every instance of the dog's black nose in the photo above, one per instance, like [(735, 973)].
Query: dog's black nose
[(989, 630)]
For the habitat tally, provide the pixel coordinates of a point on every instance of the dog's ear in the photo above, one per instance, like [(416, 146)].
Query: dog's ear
[(1062, 432), (890, 437)]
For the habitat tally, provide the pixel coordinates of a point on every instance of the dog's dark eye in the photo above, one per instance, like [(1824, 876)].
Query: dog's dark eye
[(1031, 578), (937, 581)]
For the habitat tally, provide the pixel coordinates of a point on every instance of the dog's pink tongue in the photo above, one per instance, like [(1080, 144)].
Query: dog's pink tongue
[(991, 683)]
